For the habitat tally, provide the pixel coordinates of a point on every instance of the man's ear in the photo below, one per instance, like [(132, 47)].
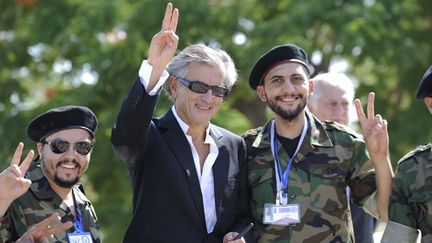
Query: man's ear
[(261, 93), (39, 148), (311, 87), (428, 102), (172, 86)]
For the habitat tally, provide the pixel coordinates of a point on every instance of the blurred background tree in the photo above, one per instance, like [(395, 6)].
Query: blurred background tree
[(81, 52)]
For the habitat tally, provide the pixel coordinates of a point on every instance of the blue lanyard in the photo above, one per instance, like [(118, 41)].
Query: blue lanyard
[(78, 222), (283, 176)]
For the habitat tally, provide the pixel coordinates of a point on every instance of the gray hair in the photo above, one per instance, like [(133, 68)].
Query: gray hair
[(199, 53), (339, 80)]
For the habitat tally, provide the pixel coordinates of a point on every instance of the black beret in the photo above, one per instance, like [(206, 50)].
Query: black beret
[(425, 87), (287, 52), (61, 118)]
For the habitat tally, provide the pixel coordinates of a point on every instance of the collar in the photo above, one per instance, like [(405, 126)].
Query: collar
[(316, 135)]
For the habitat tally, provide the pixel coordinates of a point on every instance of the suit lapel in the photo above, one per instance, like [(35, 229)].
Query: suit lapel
[(220, 169), (177, 142)]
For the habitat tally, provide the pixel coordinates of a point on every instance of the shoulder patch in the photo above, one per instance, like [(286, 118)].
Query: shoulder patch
[(252, 132), (417, 150), (250, 136), (331, 125)]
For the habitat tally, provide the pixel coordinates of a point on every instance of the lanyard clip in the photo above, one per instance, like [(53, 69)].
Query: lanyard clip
[(277, 202), (283, 197)]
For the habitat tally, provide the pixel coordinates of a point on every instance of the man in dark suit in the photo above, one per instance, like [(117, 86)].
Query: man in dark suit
[(188, 175)]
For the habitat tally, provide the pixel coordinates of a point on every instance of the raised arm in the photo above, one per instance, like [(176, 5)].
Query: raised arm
[(375, 134), (130, 134), (12, 181)]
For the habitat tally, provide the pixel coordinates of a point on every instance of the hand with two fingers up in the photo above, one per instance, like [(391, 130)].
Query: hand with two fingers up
[(41, 232), (376, 136), (13, 184), (163, 44), (12, 181), (374, 129)]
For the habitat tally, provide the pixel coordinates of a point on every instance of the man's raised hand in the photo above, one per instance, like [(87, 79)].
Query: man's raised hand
[(12, 181), (374, 129), (164, 44)]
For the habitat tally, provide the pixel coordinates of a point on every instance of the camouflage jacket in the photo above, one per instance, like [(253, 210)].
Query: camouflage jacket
[(330, 158), (411, 199), (38, 203)]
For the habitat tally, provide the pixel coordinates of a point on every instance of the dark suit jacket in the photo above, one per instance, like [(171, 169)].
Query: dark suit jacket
[(167, 200)]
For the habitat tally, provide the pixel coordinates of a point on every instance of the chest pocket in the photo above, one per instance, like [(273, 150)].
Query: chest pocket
[(424, 215), (422, 197), (328, 185), (260, 179)]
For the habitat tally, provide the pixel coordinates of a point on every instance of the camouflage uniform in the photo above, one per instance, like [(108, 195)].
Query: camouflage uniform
[(331, 157), (38, 203), (411, 200)]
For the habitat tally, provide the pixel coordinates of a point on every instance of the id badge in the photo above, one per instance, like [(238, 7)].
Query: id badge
[(82, 237), (281, 214)]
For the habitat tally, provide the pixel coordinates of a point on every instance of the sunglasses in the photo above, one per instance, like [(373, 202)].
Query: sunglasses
[(202, 88), (59, 146)]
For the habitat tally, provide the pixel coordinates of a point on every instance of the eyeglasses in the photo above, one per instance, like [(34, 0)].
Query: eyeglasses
[(60, 146), (202, 88)]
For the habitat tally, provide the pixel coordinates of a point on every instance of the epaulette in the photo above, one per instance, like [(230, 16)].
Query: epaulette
[(418, 149), (252, 132), (252, 135), (331, 125)]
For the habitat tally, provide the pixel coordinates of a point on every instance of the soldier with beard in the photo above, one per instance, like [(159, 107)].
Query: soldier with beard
[(65, 138), (299, 166)]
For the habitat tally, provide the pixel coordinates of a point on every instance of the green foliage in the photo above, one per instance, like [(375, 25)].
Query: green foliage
[(46, 47)]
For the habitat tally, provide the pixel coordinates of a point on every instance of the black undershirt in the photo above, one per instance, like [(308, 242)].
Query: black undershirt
[(290, 145)]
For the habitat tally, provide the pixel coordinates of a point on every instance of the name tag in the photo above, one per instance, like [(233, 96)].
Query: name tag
[(281, 214), (83, 237)]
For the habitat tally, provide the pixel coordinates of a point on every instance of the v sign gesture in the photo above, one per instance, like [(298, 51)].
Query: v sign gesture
[(374, 129), (43, 230), (377, 144), (12, 181), (163, 44)]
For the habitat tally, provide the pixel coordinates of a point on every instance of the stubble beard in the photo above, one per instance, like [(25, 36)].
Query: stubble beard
[(56, 178), (64, 183), (288, 115)]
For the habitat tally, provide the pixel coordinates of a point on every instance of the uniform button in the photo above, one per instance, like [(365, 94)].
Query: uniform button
[(292, 195)]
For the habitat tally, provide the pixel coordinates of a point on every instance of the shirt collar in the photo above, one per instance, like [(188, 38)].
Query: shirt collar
[(184, 126), (316, 134)]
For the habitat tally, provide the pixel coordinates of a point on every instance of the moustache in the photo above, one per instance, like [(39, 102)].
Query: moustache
[(289, 96), (62, 162)]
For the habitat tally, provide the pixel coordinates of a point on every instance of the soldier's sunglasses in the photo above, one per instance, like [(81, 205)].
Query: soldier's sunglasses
[(60, 146), (202, 88)]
